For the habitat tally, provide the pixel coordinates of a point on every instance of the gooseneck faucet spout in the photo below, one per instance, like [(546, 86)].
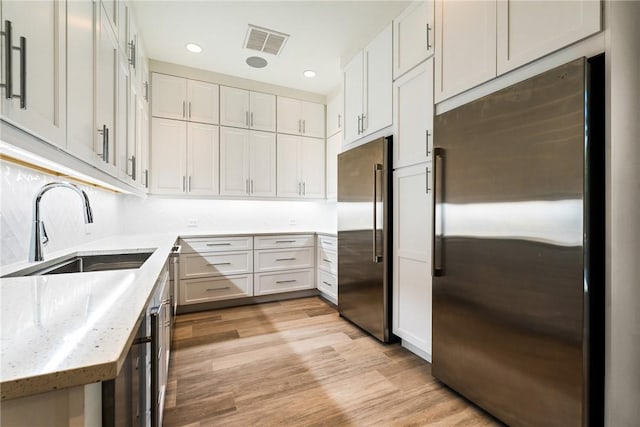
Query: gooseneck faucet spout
[(39, 236)]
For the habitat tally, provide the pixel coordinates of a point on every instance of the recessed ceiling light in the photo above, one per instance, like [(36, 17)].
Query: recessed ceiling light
[(309, 73), (192, 47), (256, 62)]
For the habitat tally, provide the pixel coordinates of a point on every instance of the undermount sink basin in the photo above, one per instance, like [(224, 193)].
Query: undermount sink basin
[(78, 263)]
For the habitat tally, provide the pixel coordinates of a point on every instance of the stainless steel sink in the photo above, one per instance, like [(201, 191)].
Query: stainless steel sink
[(78, 263)]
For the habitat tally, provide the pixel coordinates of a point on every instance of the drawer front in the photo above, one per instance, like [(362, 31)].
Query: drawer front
[(327, 261), (284, 241), (195, 291), (327, 283), (275, 260), (217, 244), (328, 243), (286, 281), (215, 264)]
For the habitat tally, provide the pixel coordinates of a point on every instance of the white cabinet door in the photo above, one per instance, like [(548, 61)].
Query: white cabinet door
[(289, 116), (312, 119), (168, 156), (169, 96), (353, 85), (528, 30), (43, 26), (80, 47), (413, 37), (465, 45), (288, 181), (234, 161), (234, 107), (202, 159), (262, 164), (262, 114), (412, 256), (379, 83), (334, 143), (413, 124), (107, 81), (335, 114), (202, 101), (311, 167)]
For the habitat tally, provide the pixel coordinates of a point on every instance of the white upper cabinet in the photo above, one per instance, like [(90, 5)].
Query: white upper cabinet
[(334, 144), (413, 39), (412, 294), (300, 117), (202, 159), (37, 72), (168, 97), (479, 40), (182, 99), (202, 102), (247, 163), (465, 45), (80, 48), (184, 158), (262, 112), (168, 156), (368, 91), (413, 119), (335, 113), (353, 85), (529, 29), (245, 109), (301, 167)]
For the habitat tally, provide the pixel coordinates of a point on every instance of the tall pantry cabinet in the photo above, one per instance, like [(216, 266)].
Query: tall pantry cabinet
[(413, 105)]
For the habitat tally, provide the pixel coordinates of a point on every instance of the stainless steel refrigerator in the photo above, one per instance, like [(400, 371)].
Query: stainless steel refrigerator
[(518, 249), (364, 233)]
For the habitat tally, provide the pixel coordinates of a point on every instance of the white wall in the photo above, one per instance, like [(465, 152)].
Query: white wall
[(127, 214), (213, 216)]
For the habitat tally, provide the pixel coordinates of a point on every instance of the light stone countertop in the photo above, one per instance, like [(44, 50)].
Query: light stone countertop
[(67, 330)]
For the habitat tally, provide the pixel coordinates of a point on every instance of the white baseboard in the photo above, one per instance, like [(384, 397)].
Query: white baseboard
[(415, 350)]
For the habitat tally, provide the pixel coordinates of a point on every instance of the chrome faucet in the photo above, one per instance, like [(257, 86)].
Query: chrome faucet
[(39, 236)]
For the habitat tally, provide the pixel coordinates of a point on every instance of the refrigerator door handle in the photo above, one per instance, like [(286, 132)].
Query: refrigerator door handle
[(436, 252), (376, 258)]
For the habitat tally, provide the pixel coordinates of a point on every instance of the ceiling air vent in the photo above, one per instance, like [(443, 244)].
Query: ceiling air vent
[(265, 40)]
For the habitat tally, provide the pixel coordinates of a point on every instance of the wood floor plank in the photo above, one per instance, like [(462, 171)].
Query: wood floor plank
[(297, 363)]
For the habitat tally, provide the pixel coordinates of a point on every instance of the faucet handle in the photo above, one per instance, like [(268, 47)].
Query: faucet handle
[(43, 233)]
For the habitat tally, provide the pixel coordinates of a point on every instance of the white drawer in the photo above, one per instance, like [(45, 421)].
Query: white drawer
[(284, 241), (327, 283), (217, 244), (327, 261), (283, 259), (328, 243), (194, 265), (286, 281), (194, 291)]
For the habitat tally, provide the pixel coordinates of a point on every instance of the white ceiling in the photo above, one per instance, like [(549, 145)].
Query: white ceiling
[(321, 34)]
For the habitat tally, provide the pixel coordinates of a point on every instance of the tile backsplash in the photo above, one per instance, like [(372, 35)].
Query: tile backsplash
[(61, 211)]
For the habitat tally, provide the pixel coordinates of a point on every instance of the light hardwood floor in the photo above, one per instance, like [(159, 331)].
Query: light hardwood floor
[(297, 363)]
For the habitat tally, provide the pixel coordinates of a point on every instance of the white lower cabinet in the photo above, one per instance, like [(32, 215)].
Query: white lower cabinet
[(193, 291), (283, 259), (197, 265), (412, 228), (286, 281), (327, 267)]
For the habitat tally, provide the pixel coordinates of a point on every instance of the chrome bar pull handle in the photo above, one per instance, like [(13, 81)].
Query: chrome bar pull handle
[(304, 126), (246, 184), (146, 178), (428, 40), (105, 134), (23, 73), (436, 250), (8, 59), (286, 281), (304, 188), (189, 184), (251, 186), (376, 258), (189, 109), (339, 118), (299, 126), (184, 184), (364, 116), (132, 52), (427, 180), (218, 289), (358, 124), (133, 167), (427, 134), (252, 119), (184, 108), (246, 118)]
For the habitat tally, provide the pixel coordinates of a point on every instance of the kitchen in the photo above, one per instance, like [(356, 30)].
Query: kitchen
[(118, 214)]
